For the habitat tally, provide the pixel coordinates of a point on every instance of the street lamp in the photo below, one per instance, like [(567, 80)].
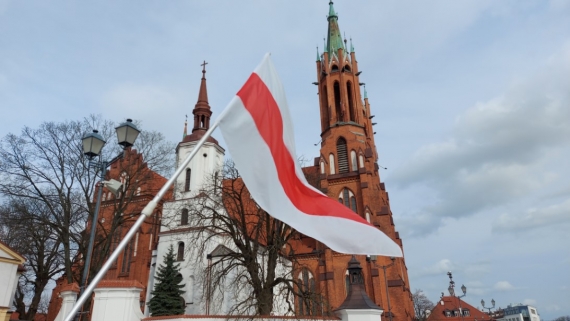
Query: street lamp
[(451, 290), (384, 267), (93, 143), (492, 303)]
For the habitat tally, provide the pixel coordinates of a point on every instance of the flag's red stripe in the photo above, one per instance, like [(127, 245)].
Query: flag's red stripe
[(264, 110)]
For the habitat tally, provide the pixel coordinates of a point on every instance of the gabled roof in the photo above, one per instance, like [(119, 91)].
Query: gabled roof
[(451, 304), (7, 254)]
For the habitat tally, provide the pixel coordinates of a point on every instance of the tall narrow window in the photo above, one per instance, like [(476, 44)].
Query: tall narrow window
[(127, 257), (342, 155), (353, 162), (331, 165), (337, 104), (326, 118), (361, 161), (184, 217), (353, 204), (180, 254), (347, 198), (322, 167), (368, 217), (307, 305), (187, 182), (350, 101)]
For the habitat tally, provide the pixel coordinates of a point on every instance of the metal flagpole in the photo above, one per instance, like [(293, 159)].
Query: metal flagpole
[(146, 212)]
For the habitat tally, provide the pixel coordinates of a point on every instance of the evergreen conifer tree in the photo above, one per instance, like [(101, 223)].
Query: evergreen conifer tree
[(167, 294)]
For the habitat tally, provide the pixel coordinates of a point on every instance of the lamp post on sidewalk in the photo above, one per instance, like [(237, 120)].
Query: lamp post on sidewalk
[(451, 290), (93, 143)]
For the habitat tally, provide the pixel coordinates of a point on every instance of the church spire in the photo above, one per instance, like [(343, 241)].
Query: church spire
[(334, 39), (201, 112)]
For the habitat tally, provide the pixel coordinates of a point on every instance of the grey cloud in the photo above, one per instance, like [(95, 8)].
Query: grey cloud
[(533, 218), (495, 152)]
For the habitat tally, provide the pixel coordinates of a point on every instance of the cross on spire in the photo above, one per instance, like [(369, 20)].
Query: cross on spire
[(204, 66)]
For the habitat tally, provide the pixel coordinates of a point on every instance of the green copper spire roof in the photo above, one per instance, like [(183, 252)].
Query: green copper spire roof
[(351, 46), (365, 94), (334, 41)]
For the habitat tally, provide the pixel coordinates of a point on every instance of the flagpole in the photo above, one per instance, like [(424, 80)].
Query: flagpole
[(146, 212)]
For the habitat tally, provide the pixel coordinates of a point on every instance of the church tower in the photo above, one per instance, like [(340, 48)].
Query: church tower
[(211, 156), (347, 170), (175, 227)]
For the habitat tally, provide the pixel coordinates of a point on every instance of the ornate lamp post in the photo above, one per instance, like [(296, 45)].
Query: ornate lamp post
[(451, 290), (93, 143), (492, 307)]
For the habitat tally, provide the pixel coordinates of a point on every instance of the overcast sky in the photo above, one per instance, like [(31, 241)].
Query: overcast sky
[(471, 100)]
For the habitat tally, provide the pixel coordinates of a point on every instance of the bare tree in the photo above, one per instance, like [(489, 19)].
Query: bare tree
[(39, 244), (422, 305), (254, 261), (44, 171), (563, 318)]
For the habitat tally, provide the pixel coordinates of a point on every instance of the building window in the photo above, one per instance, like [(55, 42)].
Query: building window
[(187, 182), (361, 161), (466, 313), (353, 162), (138, 191), (341, 153), (337, 102), (322, 167), (331, 164), (307, 304), (447, 313), (184, 217), (368, 217), (350, 101), (127, 257), (180, 255), (347, 198)]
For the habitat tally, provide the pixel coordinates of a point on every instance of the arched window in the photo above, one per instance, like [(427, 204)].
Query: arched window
[(353, 162), (325, 109), (109, 196), (180, 254), (347, 68), (104, 197), (334, 68), (138, 191), (337, 106), (216, 182), (347, 198), (307, 304), (342, 155), (350, 101), (184, 217), (331, 165), (367, 216), (361, 161), (127, 257), (187, 182), (322, 167)]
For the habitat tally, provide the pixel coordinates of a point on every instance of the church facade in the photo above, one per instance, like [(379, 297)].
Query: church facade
[(346, 170)]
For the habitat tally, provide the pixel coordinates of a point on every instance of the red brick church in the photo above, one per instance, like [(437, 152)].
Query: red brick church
[(346, 169)]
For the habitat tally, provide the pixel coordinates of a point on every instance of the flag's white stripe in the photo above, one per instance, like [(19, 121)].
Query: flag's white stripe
[(260, 176), (268, 74)]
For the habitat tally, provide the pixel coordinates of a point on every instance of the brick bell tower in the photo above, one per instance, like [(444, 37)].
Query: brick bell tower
[(348, 171)]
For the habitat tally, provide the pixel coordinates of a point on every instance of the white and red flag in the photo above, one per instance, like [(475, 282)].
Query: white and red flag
[(258, 131)]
